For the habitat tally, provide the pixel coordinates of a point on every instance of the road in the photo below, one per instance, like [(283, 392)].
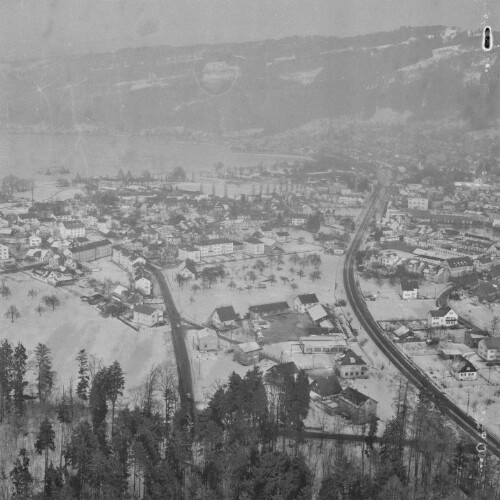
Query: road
[(387, 347), (178, 341)]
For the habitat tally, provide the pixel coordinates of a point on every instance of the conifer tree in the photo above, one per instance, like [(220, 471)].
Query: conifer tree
[(45, 441), (6, 376), (45, 374), (19, 368), (21, 476), (83, 375)]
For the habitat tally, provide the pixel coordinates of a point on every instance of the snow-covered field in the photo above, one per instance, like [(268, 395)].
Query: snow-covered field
[(75, 325)]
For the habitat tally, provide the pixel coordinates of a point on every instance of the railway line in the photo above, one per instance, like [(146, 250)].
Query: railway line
[(467, 423)]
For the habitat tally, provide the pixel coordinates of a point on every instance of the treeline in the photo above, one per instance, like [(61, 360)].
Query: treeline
[(249, 443)]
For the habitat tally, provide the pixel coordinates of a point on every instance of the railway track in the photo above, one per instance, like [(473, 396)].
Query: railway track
[(467, 423)]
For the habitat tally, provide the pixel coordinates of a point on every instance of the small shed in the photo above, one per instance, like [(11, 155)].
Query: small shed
[(247, 353)]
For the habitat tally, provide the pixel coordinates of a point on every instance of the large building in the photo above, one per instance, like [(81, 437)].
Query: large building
[(417, 203), (459, 266), (211, 248), (71, 229), (189, 253), (90, 251), (253, 246)]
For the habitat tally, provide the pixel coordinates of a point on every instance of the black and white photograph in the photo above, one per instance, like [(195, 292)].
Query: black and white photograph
[(249, 250)]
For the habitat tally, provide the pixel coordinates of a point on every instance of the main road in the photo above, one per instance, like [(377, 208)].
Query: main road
[(178, 341), (389, 349)]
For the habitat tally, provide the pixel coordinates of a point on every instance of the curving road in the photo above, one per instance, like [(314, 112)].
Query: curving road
[(386, 346), (180, 350)]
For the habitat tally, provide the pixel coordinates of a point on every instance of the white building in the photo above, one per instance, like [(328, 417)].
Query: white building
[(143, 285), (253, 246), (147, 316), (417, 203), (220, 246), (71, 229), (189, 253), (443, 318), (35, 241), (303, 302), (463, 369), (409, 289), (489, 348), (4, 252)]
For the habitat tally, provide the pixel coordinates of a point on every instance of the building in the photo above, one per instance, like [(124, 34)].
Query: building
[(224, 316), (211, 248), (298, 220), (247, 353), (253, 246), (207, 340), (409, 289), (189, 253), (418, 203), (35, 241), (187, 270), (319, 316), (358, 407), (90, 251), (324, 387), (277, 373), (351, 366), (489, 348), (282, 236), (323, 343), (302, 302), (143, 285), (71, 229), (459, 266), (442, 318), (272, 309), (147, 316), (472, 338), (4, 252), (463, 369)]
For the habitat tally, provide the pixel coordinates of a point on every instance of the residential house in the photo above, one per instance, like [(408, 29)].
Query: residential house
[(409, 289), (207, 340), (120, 292), (463, 369), (323, 387), (143, 285), (35, 241), (303, 302), (4, 252), (277, 373), (187, 270), (483, 263), (272, 309), (147, 316), (247, 353), (358, 407), (214, 247), (319, 316), (189, 253), (473, 337), (442, 318), (224, 316), (253, 246), (298, 220), (71, 229), (282, 236), (350, 365), (489, 348)]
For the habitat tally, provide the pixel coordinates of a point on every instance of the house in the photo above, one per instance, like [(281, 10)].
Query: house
[(489, 348), (323, 343), (483, 263), (318, 314), (302, 302), (224, 316), (272, 309), (298, 220), (472, 338), (277, 373), (35, 241), (324, 387), (355, 405), (350, 365), (187, 270), (4, 252), (459, 266), (282, 236), (207, 340), (214, 247), (443, 318), (120, 292), (143, 285), (463, 369), (71, 229), (409, 289), (253, 246), (189, 253), (147, 316), (247, 353), (91, 251)]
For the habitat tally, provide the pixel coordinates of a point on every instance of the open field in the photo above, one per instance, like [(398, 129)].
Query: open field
[(479, 314), (75, 325)]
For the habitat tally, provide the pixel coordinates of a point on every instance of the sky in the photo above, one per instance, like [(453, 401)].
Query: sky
[(40, 28)]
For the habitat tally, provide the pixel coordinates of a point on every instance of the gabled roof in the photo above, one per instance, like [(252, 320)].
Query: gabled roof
[(249, 347), (308, 298), (462, 365), (455, 262), (440, 313), (268, 308), (326, 386), (353, 397), (142, 309), (281, 370), (253, 241), (317, 312), (351, 359), (492, 342), (408, 285), (226, 313)]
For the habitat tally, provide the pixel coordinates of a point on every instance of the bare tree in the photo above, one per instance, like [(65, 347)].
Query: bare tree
[(12, 313)]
